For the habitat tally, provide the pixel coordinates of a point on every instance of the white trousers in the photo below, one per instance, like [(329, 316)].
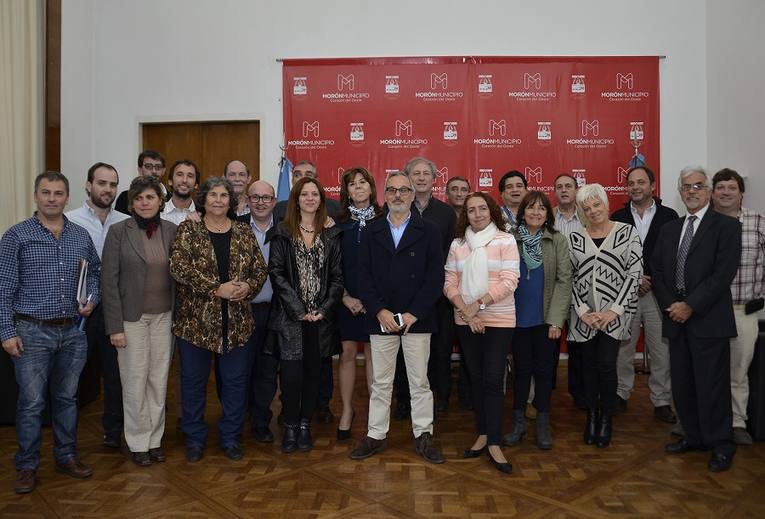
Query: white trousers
[(416, 353), (741, 353), (659, 382), (144, 367)]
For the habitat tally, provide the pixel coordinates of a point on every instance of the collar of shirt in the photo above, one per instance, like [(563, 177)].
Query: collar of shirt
[(648, 210), (255, 227), (403, 224), (170, 208), (562, 216), (421, 208), (509, 214)]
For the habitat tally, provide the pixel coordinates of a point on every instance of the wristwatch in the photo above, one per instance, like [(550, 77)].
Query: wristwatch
[(481, 304)]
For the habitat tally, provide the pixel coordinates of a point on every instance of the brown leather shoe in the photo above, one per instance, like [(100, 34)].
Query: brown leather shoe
[(25, 481), (74, 468)]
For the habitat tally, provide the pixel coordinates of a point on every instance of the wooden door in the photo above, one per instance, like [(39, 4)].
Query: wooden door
[(211, 145)]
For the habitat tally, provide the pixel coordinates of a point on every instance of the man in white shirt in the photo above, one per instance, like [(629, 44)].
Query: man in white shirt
[(96, 216), (183, 181)]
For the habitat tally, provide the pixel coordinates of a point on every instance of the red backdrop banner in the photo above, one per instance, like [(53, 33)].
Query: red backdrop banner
[(476, 117)]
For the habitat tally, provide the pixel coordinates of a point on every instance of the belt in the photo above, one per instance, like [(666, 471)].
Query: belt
[(64, 321)]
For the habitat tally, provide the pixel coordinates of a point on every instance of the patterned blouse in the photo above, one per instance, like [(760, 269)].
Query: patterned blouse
[(309, 260)]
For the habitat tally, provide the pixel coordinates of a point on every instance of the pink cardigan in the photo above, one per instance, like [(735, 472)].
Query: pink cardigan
[(504, 269)]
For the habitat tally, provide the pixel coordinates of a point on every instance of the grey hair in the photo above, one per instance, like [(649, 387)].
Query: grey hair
[(416, 160), (687, 171), (397, 173), (590, 191), (208, 186)]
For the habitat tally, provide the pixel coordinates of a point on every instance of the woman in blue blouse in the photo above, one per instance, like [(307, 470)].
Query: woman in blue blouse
[(358, 199)]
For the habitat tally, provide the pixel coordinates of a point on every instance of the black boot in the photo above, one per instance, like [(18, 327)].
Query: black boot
[(289, 440), (604, 431), (590, 428), (304, 441)]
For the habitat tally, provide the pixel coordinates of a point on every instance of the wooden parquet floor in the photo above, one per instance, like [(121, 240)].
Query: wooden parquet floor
[(633, 478)]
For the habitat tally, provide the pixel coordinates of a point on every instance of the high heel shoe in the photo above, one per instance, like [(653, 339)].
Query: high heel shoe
[(345, 434), (472, 453), (504, 467)]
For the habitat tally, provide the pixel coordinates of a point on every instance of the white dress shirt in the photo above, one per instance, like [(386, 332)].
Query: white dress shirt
[(174, 214), (86, 217)]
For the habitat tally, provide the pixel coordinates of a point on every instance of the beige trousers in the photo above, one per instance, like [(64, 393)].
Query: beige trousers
[(144, 367), (741, 353)]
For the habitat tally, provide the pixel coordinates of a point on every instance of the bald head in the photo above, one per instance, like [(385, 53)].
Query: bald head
[(261, 198)]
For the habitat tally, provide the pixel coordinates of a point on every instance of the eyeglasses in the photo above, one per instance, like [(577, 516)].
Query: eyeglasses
[(698, 186), (264, 199), (154, 167), (403, 191)]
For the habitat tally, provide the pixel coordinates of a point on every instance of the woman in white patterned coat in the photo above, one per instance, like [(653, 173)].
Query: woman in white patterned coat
[(607, 265)]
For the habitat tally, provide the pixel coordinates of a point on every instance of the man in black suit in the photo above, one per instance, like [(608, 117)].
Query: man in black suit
[(693, 265), (646, 213)]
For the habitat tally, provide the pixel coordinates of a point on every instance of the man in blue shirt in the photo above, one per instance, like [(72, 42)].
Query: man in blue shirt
[(40, 261)]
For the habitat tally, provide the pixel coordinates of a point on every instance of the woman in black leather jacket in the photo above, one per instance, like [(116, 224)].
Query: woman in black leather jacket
[(305, 267)]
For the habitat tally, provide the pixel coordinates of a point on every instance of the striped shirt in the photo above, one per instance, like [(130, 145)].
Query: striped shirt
[(504, 270), (747, 284), (38, 272)]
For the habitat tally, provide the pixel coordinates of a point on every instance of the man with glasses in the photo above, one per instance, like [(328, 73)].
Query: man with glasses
[(184, 181), (401, 277), (150, 162), (693, 265), (262, 199)]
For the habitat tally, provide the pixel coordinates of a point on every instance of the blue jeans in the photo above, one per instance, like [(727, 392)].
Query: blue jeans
[(195, 372), (53, 357)]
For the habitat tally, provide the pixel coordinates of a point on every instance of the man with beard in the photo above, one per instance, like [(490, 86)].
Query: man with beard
[(150, 162), (184, 180), (96, 216), (512, 188), (238, 174), (648, 215)]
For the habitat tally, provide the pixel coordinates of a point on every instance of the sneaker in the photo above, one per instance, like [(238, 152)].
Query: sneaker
[(423, 446), (368, 447)]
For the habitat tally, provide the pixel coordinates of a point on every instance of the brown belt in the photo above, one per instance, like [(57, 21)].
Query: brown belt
[(64, 321)]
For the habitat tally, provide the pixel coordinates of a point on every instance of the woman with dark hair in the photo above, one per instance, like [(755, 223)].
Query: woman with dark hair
[(542, 300), (217, 266), (481, 275), (138, 304), (358, 199), (305, 266)]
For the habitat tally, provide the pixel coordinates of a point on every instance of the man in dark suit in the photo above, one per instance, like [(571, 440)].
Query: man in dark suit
[(693, 265), (401, 276), (646, 213)]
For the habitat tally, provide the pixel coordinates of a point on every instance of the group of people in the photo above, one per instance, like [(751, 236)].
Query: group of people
[(265, 292)]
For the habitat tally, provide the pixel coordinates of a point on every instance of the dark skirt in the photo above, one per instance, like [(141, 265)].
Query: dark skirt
[(351, 326)]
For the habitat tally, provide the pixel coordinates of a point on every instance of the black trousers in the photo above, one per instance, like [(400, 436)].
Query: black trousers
[(264, 369), (326, 383), (300, 378), (599, 372), (575, 376), (534, 354), (485, 356), (95, 332), (700, 369)]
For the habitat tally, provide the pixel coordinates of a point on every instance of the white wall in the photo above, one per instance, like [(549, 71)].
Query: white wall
[(736, 92), (151, 60)]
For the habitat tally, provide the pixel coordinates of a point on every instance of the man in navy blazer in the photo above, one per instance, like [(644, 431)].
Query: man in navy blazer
[(401, 276), (693, 265)]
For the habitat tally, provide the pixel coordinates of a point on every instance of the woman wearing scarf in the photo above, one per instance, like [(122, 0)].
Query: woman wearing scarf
[(138, 303), (358, 197), (481, 275), (543, 297)]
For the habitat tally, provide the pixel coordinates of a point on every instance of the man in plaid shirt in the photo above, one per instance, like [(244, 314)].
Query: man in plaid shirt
[(727, 195)]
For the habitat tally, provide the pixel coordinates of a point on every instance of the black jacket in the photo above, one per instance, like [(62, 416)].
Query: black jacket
[(663, 215), (710, 267), (286, 306), (407, 278), (441, 215)]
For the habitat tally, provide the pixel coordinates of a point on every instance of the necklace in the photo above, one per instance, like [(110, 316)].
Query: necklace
[(216, 227), (309, 231)]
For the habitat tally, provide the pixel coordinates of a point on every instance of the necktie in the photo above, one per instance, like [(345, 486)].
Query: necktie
[(682, 255)]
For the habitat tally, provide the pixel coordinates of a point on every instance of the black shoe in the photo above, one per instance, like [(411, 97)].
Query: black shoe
[(621, 405), (720, 462), (304, 440), (472, 453), (233, 452), (580, 404), (403, 411), (263, 434), (423, 446), (289, 440), (680, 447), (113, 441), (664, 413), (591, 426), (142, 459), (157, 455), (506, 467), (345, 434), (324, 415), (368, 447), (442, 405), (603, 439), (194, 454)]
